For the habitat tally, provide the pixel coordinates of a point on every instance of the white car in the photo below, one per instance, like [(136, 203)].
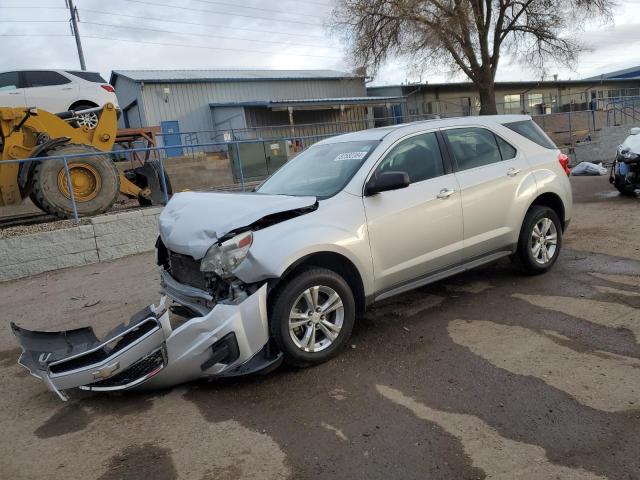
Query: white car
[(282, 273), (56, 91)]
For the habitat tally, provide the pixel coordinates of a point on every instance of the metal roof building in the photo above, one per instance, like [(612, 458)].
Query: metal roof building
[(220, 101)]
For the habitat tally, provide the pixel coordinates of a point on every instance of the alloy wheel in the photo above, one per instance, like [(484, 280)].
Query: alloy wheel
[(544, 241), (316, 318)]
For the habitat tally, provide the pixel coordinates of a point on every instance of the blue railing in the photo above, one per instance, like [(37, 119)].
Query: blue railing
[(305, 141)]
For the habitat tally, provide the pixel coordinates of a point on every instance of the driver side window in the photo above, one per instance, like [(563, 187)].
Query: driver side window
[(418, 156)]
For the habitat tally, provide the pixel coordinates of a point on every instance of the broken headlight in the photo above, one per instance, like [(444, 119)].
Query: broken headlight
[(223, 258)]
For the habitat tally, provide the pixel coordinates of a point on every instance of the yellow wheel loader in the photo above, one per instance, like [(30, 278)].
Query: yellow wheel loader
[(95, 181)]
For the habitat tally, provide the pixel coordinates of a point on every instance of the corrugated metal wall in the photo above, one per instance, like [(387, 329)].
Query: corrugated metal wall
[(188, 103), (127, 92)]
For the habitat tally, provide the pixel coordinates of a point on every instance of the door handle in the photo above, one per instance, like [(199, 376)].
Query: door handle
[(14, 93), (445, 193), (512, 172), (67, 88)]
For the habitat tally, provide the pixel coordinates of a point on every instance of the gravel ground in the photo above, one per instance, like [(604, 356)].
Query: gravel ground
[(489, 374)]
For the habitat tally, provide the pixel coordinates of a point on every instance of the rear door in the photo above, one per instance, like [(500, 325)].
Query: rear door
[(49, 90), (11, 95), (416, 230), (494, 181)]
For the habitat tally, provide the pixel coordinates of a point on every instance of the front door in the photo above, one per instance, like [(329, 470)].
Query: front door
[(11, 95), (416, 230), (494, 185), (171, 137)]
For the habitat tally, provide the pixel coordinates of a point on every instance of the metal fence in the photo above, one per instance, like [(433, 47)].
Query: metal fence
[(158, 153), (194, 139), (566, 128)]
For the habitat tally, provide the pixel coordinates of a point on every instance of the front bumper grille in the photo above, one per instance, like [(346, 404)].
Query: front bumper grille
[(186, 270), (137, 373)]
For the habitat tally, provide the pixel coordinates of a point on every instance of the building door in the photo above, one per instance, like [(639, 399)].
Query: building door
[(465, 102), (171, 137), (397, 113)]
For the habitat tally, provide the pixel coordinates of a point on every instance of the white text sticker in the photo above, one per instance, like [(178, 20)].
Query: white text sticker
[(350, 156)]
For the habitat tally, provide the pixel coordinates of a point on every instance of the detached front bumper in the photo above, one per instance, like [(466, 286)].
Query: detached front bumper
[(225, 340)]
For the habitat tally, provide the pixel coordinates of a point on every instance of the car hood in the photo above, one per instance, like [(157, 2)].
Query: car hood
[(192, 221)]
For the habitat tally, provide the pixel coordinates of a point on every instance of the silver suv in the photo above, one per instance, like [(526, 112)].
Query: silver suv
[(283, 272)]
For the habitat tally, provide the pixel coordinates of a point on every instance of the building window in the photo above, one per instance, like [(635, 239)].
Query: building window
[(633, 92), (512, 103), (613, 93), (535, 99)]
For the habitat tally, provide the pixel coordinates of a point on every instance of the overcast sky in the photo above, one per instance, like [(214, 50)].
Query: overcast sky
[(279, 34)]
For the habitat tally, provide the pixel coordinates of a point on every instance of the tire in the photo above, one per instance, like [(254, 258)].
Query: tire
[(530, 262), (90, 120), (157, 198), (96, 195), (289, 299), (35, 201)]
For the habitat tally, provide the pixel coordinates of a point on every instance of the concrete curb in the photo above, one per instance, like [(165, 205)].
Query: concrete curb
[(105, 238)]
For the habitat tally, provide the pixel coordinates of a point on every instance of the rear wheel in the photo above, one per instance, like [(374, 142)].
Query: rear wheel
[(311, 316), (94, 179), (89, 120), (540, 240)]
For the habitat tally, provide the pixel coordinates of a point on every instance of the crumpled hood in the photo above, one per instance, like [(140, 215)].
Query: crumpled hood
[(192, 221)]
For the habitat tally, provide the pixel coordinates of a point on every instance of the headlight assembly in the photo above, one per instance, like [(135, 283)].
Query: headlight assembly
[(225, 257)]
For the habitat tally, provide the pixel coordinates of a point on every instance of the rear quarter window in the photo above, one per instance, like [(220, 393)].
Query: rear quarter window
[(531, 131), (88, 76)]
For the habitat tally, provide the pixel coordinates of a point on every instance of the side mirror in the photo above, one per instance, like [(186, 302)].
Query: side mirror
[(386, 181)]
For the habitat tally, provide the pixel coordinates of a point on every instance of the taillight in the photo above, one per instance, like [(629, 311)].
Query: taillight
[(564, 161), (109, 88)]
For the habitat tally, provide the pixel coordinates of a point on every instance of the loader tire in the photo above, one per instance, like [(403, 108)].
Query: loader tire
[(152, 167), (35, 201), (95, 181)]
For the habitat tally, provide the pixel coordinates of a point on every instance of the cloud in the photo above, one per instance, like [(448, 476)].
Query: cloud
[(235, 41)]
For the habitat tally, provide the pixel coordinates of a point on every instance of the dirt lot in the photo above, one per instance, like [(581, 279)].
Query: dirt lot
[(486, 375)]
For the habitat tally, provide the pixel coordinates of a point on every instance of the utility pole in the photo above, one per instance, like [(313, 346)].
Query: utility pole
[(76, 33)]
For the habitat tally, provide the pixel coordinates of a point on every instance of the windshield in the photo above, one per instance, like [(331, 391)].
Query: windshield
[(320, 171)]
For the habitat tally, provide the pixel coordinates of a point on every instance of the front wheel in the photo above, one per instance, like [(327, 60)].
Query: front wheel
[(312, 316), (540, 240)]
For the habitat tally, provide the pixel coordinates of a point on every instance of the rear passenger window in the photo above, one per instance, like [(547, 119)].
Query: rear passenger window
[(418, 156), (530, 130), (506, 150), (473, 147), (44, 79)]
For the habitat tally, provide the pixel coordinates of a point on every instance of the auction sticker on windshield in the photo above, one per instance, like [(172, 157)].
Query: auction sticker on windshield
[(350, 156)]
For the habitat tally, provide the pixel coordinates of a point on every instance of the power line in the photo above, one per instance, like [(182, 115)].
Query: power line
[(286, 12), (34, 21), (207, 47), (180, 22), (224, 37), (220, 13), (165, 44), (21, 7)]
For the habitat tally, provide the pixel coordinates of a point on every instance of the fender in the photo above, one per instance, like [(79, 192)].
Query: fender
[(26, 168)]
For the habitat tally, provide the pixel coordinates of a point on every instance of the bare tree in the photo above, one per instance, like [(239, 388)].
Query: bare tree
[(469, 35)]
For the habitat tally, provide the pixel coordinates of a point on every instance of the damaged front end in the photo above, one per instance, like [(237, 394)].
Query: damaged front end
[(213, 324), (160, 346), (127, 356)]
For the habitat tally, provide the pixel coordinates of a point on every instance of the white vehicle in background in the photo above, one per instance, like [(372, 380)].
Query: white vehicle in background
[(57, 91)]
